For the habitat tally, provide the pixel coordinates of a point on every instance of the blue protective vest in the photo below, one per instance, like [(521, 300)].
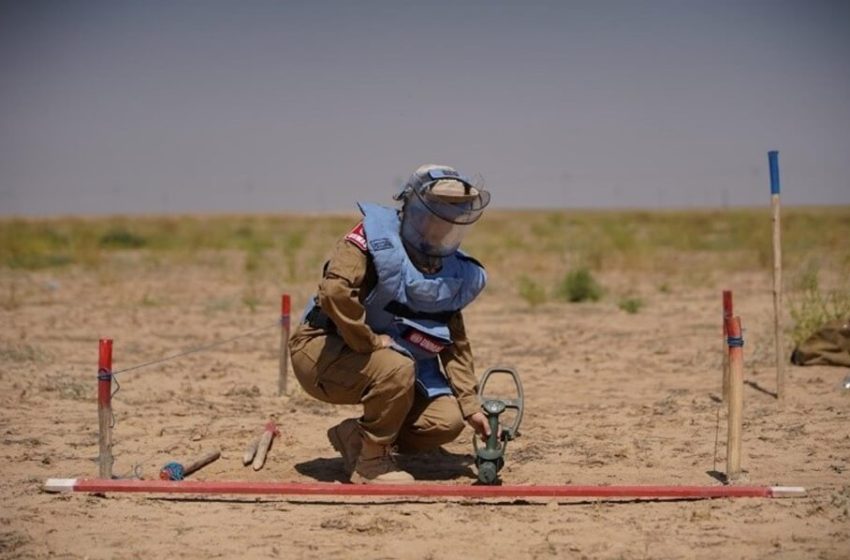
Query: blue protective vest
[(413, 307)]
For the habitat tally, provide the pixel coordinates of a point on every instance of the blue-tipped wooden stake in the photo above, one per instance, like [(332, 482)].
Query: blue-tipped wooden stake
[(773, 160)]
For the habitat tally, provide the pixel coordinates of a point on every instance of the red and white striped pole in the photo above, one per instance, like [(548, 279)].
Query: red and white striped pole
[(417, 489), (104, 407), (285, 308)]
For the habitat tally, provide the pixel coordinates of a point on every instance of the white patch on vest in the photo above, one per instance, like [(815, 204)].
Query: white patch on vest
[(357, 236), (426, 343)]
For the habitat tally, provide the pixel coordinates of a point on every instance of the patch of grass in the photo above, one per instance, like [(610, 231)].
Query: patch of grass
[(21, 353), (630, 305), (531, 292), (813, 307), (541, 244), (218, 305), (251, 299), (253, 260), (149, 301), (36, 261), (68, 388), (292, 245), (242, 391), (121, 238), (808, 278), (579, 285)]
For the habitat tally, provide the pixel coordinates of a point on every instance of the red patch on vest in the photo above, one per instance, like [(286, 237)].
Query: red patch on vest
[(424, 341), (357, 236)]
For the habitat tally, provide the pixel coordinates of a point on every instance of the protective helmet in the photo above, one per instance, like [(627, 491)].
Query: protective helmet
[(438, 206)]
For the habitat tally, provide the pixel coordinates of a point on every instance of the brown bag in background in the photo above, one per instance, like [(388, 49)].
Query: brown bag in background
[(828, 346)]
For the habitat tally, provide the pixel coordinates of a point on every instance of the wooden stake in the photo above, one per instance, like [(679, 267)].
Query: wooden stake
[(736, 398), (201, 462), (250, 452), (176, 471), (727, 312), (104, 408), (264, 445), (285, 307), (773, 160)]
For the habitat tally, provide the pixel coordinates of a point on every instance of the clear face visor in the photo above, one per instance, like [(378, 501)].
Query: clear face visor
[(438, 214)]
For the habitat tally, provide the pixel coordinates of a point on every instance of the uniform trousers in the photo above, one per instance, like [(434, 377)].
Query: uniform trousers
[(394, 411)]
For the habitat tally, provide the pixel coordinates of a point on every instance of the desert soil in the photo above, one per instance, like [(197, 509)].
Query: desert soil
[(612, 398)]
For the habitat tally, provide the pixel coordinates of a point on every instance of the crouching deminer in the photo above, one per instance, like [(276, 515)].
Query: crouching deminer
[(386, 330)]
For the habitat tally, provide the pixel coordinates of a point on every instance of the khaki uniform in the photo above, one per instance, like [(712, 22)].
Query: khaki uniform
[(346, 364)]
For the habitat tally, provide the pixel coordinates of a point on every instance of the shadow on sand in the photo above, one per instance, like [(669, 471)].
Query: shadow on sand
[(434, 465)]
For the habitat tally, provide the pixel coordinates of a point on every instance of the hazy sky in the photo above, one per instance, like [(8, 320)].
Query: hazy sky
[(240, 106)]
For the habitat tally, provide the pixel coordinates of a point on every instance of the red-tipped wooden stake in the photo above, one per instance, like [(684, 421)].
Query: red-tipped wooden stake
[(285, 307), (104, 407), (264, 445), (250, 452), (736, 398), (727, 312)]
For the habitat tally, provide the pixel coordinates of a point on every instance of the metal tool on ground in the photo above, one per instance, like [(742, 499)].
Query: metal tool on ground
[(490, 458), (178, 471), (263, 445)]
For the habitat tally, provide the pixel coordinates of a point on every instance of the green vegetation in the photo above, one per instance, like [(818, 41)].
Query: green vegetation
[(23, 353), (33, 244), (579, 285), (537, 255), (531, 292), (599, 240), (524, 251), (813, 306), (121, 238), (630, 304), (662, 241)]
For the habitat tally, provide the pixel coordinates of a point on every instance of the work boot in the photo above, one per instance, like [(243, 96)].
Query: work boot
[(376, 465), (346, 439)]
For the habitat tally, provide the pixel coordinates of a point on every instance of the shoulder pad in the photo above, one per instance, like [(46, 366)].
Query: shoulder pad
[(464, 257), (357, 237)]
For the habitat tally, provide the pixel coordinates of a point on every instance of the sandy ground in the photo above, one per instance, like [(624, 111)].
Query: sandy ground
[(612, 398)]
